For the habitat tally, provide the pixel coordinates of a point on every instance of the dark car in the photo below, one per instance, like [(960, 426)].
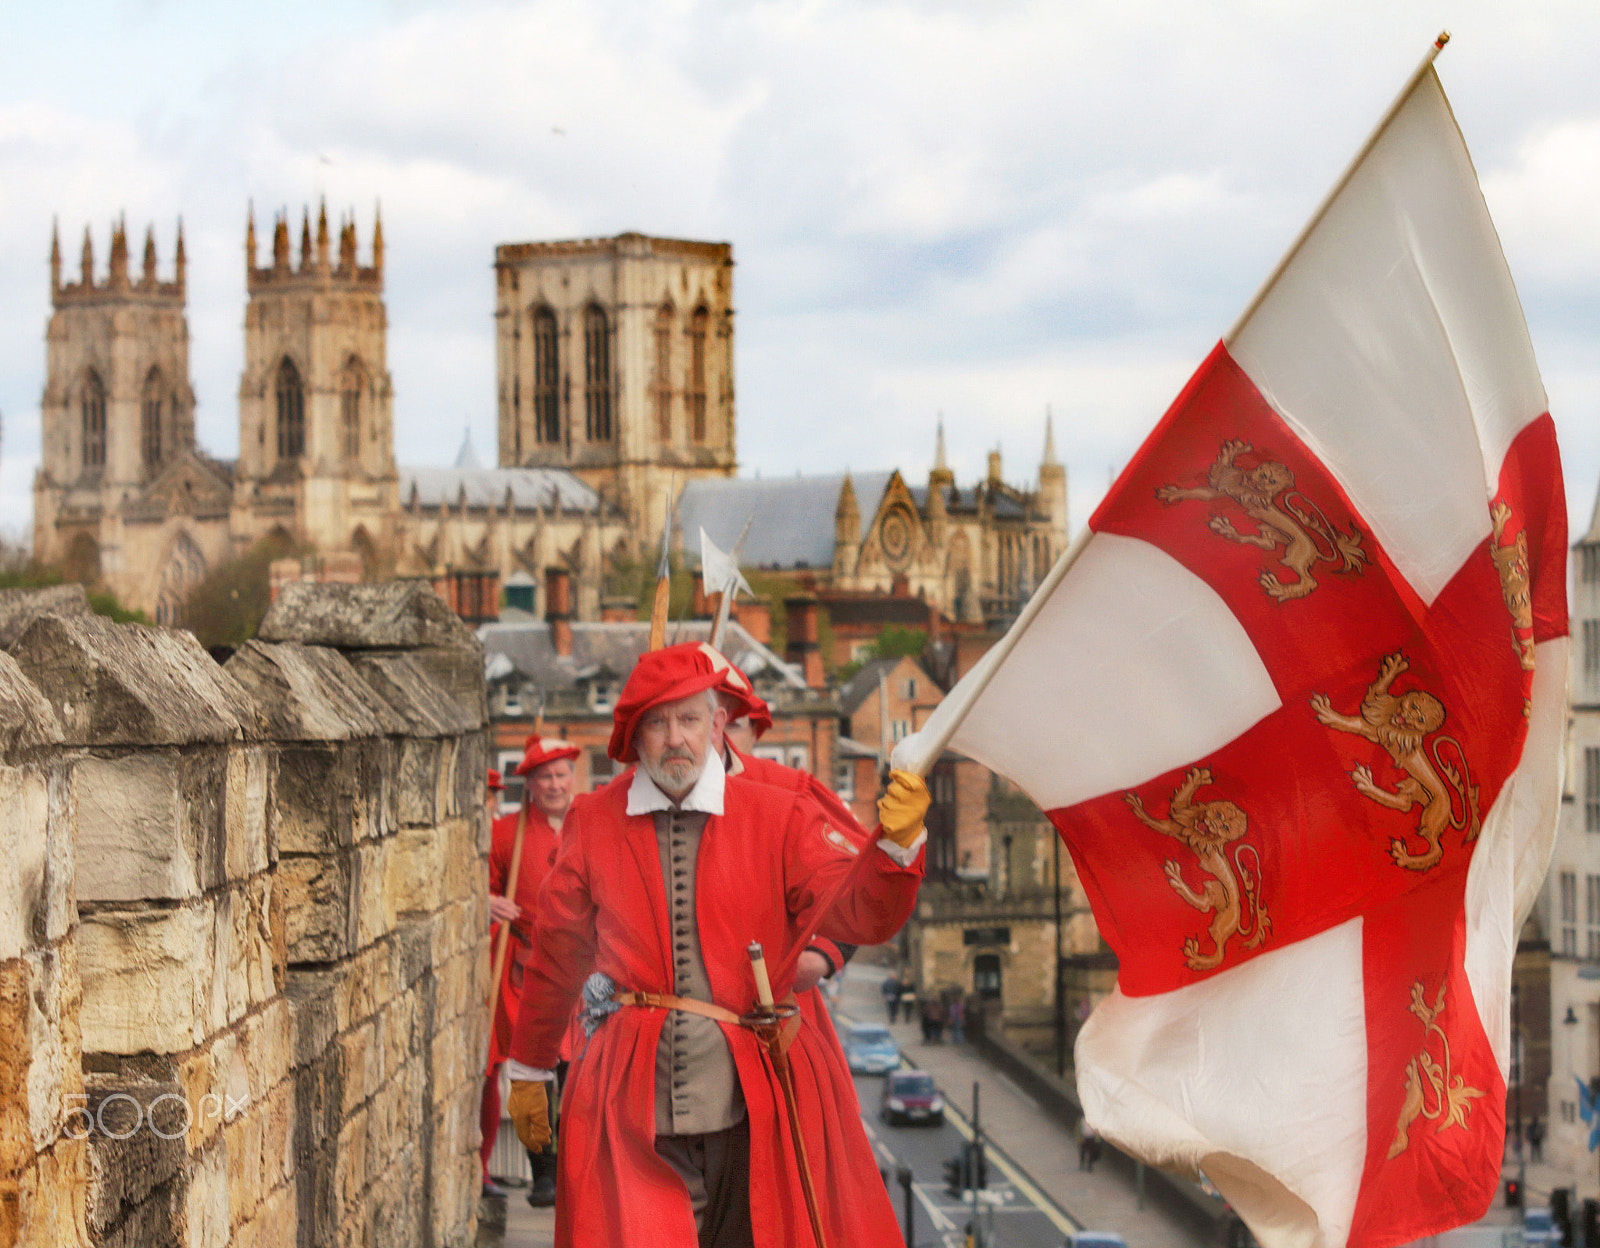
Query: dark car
[(870, 1049), (911, 1096)]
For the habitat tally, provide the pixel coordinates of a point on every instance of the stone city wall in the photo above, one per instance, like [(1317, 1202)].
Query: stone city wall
[(243, 928)]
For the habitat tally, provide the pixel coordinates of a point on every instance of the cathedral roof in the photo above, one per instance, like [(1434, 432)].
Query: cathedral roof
[(486, 487), (792, 519)]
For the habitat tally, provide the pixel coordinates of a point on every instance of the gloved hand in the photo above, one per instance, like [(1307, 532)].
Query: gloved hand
[(529, 1107), (902, 807)]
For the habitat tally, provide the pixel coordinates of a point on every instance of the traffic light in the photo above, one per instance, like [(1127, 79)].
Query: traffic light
[(1561, 1205), (1513, 1194), (955, 1178)]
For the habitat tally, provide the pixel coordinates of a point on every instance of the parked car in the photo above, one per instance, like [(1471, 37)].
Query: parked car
[(870, 1049), (1094, 1239), (1539, 1227), (911, 1096)]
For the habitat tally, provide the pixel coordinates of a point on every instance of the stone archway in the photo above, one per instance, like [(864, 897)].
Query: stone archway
[(183, 569)]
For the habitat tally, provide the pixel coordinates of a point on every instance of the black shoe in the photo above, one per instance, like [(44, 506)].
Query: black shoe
[(542, 1192)]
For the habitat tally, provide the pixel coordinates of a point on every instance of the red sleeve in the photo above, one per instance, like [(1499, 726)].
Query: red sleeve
[(563, 953), (501, 833), (841, 889)]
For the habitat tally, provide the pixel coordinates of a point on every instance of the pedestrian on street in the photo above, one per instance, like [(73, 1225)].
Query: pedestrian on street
[(958, 1020), (676, 1133), (891, 996), (1536, 1139), (1088, 1147)]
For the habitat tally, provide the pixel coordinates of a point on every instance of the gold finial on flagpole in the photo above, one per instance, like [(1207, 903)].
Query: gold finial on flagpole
[(1444, 38)]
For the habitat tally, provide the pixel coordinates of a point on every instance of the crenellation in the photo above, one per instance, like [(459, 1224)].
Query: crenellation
[(288, 1049)]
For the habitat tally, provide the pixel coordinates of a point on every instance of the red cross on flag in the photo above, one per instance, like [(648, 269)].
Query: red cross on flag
[(1295, 703)]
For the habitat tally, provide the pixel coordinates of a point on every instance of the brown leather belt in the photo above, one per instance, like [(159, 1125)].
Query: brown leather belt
[(706, 1009)]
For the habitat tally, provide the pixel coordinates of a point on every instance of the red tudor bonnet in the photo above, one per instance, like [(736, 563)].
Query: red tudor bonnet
[(537, 751), (736, 685), (664, 675), (495, 782)]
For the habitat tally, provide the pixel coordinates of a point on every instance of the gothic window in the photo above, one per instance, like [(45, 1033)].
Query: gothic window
[(291, 411), (697, 374), (546, 418), (351, 384), (663, 374), (597, 375), (150, 420), (186, 567), (94, 421)]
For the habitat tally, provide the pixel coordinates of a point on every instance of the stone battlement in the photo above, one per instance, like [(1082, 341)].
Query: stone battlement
[(243, 927)]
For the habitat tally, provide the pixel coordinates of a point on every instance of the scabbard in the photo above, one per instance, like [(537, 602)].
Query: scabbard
[(770, 1028)]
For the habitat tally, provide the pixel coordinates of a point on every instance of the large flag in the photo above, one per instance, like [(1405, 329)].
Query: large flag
[(1295, 705)]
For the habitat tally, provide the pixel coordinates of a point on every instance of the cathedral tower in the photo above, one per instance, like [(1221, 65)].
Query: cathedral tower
[(615, 360), (316, 443), (117, 414)]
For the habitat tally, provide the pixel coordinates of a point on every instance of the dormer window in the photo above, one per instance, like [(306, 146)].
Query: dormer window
[(602, 695), (511, 704)]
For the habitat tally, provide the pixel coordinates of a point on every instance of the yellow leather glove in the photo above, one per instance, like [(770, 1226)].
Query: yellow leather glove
[(902, 807), (529, 1107)]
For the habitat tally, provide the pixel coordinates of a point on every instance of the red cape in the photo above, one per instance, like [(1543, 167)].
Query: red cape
[(768, 870)]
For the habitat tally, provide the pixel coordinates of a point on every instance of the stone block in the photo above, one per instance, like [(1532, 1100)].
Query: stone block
[(19, 607), (358, 1066), (138, 1151), (148, 979), (422, 793), (313, 1000), (244, 947), (266, 1048), (413, 692), (417, 875), (129, 684), (333, 903), (206, 1206), (350, 1167), (28, 873), (469, 783), (458, 671), (311, 693), (27, 720), (250, 801), (134, 841), (396, 615)]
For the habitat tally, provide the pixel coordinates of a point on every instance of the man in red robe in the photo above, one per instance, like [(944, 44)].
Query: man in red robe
[(547, 795), (675, 1131)]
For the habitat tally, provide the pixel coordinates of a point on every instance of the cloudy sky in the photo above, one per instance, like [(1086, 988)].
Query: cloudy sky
[(979, 210)]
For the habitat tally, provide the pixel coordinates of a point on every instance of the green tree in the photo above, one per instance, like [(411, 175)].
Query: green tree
[(18, 571), (226, 607)]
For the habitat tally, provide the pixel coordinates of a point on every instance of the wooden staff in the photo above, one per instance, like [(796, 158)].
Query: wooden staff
[(504, 942), (768, 1024), (660, 608)]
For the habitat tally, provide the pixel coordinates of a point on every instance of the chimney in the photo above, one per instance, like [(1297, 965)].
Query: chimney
[(994, 467), (755, 617), (558, 609), (801, 648)]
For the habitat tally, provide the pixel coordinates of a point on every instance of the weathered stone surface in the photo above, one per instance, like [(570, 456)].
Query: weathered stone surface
[(133, 838), (149, 979), (423, 781), (250, 806), (25, 860), (137, 1196), (319, 905), (415, 695), (399, 615), (311, 693), (27, 720), (128, 684), (458, 671), (19, 607)]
